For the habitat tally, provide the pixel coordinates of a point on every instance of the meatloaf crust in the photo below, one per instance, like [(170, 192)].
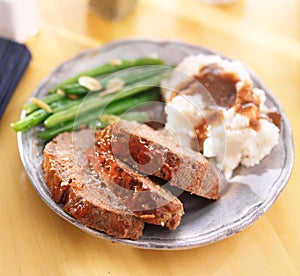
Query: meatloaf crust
[(84, 194), (148, 201), (153, 153)]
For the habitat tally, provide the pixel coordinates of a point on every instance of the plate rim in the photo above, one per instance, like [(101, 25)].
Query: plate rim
[(142, 243)]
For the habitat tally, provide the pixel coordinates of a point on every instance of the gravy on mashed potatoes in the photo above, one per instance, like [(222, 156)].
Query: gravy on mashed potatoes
[(227, 116)]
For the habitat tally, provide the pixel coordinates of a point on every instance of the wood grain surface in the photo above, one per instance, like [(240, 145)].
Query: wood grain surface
[(263, 34)]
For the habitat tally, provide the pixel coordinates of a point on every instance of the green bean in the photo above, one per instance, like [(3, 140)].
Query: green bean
[(91, 118), (76, 89), (92, 103), (107, 119), (37, 116), (129, 76), (110, 67), (139, 116), (30, 107), (30, 121)]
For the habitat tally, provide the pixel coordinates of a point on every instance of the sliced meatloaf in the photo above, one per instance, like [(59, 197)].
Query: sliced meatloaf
[(147, 200), (153, 153), (84, 194)]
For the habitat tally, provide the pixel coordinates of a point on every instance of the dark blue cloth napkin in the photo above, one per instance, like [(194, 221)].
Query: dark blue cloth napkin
[(14, 59)]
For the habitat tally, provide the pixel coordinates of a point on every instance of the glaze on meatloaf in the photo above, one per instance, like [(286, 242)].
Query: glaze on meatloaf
[(147, 200), (153, 153), (83, 192)]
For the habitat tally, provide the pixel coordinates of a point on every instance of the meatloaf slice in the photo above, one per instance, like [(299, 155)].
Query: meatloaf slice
[(153, 153), (148, 201), (74, 183)]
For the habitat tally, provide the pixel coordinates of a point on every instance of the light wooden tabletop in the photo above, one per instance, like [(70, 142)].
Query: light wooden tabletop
[(263, 34)]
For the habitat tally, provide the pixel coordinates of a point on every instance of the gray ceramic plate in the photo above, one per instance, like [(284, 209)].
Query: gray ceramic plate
[(249, 194)]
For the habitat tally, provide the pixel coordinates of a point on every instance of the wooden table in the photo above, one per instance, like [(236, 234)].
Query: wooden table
[(263, 34)]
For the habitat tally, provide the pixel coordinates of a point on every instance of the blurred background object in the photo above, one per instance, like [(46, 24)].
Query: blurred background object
[(113, 9), (220, 2), (14, 59), (19, 19)]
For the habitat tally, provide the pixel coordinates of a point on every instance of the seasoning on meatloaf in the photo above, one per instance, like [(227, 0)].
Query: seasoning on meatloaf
[(153, 153), (147, 200), (83, 193)]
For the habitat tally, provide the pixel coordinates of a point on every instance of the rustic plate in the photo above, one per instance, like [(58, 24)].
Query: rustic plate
[(249, 194)]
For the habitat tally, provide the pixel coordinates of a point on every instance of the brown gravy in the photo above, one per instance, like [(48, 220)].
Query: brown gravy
[(213, 117), (247, 104), (220, 84), (222, 87)]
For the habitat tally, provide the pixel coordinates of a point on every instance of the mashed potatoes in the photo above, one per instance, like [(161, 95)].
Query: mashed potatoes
[(225, 114)]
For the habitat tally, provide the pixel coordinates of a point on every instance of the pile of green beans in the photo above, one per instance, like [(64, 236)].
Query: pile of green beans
[(73, 105)]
